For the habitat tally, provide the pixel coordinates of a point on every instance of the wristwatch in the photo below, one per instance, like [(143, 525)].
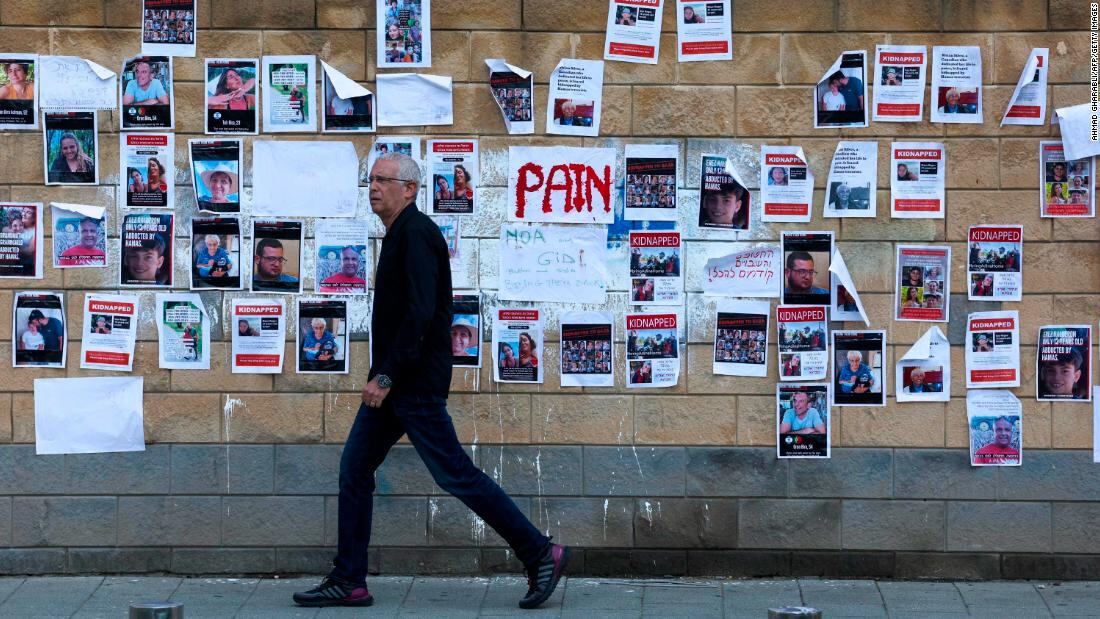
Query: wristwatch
[(384, 381)]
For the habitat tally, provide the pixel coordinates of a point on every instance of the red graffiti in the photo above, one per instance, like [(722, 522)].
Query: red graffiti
[(576, 180)]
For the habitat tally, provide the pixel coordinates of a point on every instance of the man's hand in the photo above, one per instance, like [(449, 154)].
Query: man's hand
[(373, 395)]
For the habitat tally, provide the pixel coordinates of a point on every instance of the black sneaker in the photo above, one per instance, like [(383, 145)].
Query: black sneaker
[(543, 576), (335, 592)]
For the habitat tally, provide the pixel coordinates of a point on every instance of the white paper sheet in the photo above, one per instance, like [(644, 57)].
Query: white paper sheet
[(514, 91), (304, 179), (259, 335), (545, 184), (557, 264), (996, 423), (741, 338), (576, 97), (786, 184), (704, 30), (918, 173), (1028, 105), (753, 272), (844, 292), (414, 99), (1078, 125), (21, 241), (840, 98), (992, 349), (957, 84), (110, 331), (183, 329), (633, 30), (88, 415), (74, 84), (853, 180), (900, 76), (587, 349), (18, 113), (930, 360)]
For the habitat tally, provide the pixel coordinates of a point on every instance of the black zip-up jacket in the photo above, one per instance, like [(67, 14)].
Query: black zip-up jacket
[(411, 326)]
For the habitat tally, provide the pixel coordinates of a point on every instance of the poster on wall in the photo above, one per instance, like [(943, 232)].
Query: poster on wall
[(724, 200), (1066, 188), (1064, 361), (557, 264), (513, 89), (957, 84), (923, 374), (343, 257), (576, 96), (385, 144), (741, 338), (586, 349), (561, 184), (649, 191), (79, 235), (216, 174), (992, 348), (74, 84), (183, 330), (995, 419), (994, 265), (1075, 125), (454, 167), (786, 184), (414, 99), (277, 256), (517, 345), (147, 95), (149, 162), (841, 93), (1028, 105), (259, 335), (38, 329), (704, 30), (853, 180), (21, 241), (70, 416), (652, 350), (348, 107), (322, 344), (917, 179), (18, 92), (290, 94), (71, 148), (110, 331), (466, 330), (168, 27), (859, 368), (923, 289), (232, 99), (215, 253), (803, 428), (807, 279), (749, 273), (147, 250), (803, 342), (633, 30), (900, 76), (655, 269), (404, 37)]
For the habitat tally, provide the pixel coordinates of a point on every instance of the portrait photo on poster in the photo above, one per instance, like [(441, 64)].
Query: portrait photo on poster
[(147, 250), (277, 256), (994, 265), (917, 179), (576, 98), (454, 167), (841, 94), (148, 165), (655, 268), (1066, 187), (466, 332), (18, 92), (704, 30), (215, 253), (147, 94), (853, 180), (38, 329), (923, 373), (323, 336), (1064, 361), (216, 174), (633, 32), (232, 96), (79, 235), (900, 77), (786, 184), (71, 148), (803, 426), (992, 349), (923, 286), (859, 368), (724, 200), (652, 350), (957, 84), (803, 342), (807, 279), (517, 345), (995, 420), (110, 331), (343, 256), (21, 239)]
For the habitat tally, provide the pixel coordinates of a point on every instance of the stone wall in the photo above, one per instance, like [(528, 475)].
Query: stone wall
[(240, 472)]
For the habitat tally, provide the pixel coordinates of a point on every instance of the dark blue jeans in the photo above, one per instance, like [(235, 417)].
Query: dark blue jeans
[(431, 432)]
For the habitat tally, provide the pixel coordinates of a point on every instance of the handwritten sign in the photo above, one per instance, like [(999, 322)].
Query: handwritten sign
[(553, 263), (75, 84), (561, 184), (750, 273)]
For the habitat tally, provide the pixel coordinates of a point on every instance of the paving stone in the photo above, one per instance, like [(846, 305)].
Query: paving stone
[(115, 594), (212, 597), (63, 595)]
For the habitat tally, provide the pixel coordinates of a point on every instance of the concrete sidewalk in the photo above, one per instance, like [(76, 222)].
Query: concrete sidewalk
[(587, 598)]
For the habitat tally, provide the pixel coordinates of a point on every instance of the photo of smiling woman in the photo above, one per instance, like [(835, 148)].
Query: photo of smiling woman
[(71, 147), (231, 99), (18, 97)]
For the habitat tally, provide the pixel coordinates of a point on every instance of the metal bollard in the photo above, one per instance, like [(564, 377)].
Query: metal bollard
[(157, 610), (794, 612)]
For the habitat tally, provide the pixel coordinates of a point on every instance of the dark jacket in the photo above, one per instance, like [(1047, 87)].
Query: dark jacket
[(411, 325)]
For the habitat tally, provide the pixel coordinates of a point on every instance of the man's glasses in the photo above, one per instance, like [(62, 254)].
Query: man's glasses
[(804, 272), (370, 180), (273, 259)]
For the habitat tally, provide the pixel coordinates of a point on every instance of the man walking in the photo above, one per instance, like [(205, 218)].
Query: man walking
[(407, 393)]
